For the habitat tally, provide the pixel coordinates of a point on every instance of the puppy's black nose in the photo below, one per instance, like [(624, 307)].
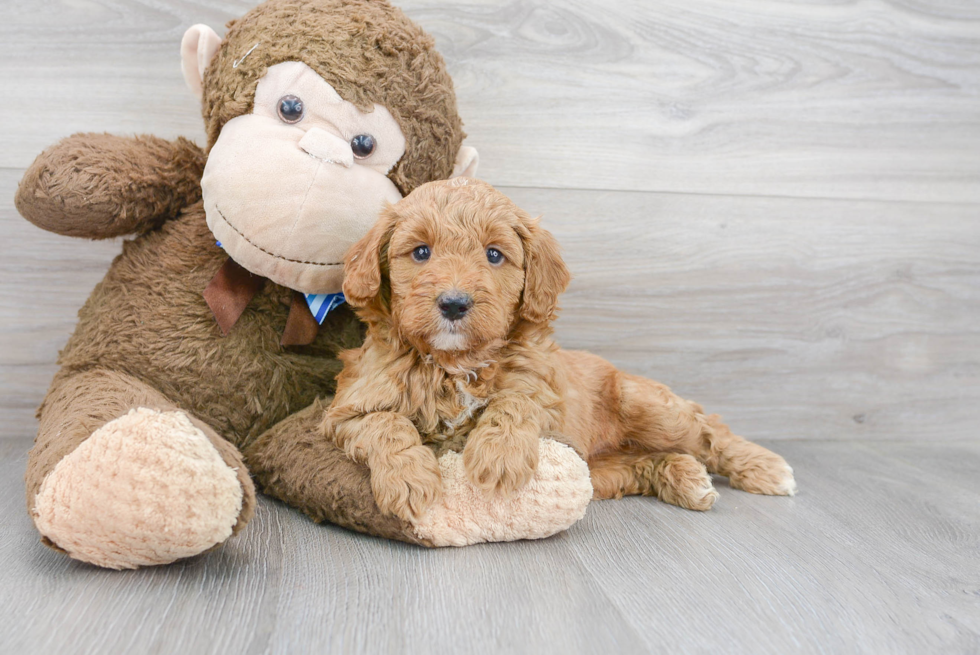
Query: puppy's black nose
[(454, 305)]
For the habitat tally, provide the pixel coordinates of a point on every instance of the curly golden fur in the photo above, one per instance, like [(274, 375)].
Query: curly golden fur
[(485, 375)]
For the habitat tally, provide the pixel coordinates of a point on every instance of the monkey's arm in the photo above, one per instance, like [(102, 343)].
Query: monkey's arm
[(101, 186), (296, 463)]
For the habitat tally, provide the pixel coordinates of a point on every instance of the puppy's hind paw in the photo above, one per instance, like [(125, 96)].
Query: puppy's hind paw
[(683, 481), (407, 484), (772, 477)]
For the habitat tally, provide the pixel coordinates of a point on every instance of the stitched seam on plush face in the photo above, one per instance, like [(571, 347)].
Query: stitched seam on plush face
[(299, 208), (271, 254)]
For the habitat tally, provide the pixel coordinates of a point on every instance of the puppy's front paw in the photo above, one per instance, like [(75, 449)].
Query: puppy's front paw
[(497, 461), (407, 484)]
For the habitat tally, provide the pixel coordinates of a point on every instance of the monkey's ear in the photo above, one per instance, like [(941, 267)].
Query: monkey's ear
[(362, 263), (197, 48), (545, 274), (467, 159)]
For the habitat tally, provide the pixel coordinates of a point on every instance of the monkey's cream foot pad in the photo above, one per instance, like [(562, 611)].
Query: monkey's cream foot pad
[(146, 488), (555, 498)]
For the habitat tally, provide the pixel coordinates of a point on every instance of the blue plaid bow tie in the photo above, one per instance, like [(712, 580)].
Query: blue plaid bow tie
[(322, 304)]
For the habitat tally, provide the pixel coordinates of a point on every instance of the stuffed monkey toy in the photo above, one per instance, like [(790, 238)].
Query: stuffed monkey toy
[(207, 354)]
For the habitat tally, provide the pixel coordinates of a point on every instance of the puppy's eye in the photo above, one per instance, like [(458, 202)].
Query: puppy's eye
[(363, 145), (421, 253), (494, 256), (290, 109)]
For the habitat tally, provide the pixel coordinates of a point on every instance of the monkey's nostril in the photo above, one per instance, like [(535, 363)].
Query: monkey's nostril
[(454, 305)]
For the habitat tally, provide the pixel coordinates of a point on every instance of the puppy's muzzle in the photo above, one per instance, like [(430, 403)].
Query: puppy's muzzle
[(454, 304)]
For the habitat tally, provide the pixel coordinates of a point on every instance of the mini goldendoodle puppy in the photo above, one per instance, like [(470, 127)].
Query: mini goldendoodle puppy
[(458, 287)]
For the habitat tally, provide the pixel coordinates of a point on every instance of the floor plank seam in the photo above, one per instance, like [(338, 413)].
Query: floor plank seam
[(671, 192)]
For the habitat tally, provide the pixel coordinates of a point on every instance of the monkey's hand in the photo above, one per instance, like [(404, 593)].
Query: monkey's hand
[(101, 186)]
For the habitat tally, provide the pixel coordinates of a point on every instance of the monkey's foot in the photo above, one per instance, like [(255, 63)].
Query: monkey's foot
[(146, 488), (554, 499)]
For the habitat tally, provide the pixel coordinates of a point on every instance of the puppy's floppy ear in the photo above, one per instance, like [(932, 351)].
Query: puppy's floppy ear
[(545, 274), (362, 264)]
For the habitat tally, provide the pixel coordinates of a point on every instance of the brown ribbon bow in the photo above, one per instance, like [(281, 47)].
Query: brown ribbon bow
[(232, 288)]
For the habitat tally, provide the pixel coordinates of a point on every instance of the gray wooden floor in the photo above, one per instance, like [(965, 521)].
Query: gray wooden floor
[(772, 206), (877, 554)]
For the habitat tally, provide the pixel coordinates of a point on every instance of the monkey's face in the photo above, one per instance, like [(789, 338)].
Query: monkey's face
[(291, 186)]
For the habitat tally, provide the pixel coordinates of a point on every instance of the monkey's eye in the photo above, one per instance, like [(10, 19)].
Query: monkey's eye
[(363, 145), (421, 253), (290, 109), (494, 256)]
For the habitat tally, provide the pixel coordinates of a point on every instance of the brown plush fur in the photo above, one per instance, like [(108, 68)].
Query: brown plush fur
[(392, 62), (146, 337), (495, 378), (241, 384), (78, 405), (318, 477), (101, 186)]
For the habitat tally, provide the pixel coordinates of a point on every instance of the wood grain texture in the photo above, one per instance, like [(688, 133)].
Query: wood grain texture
[(876, 555), (781, 219), (825, 99), (793, 318)]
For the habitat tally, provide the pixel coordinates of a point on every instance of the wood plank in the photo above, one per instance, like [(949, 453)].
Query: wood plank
[(793, 318), (800, 253), (878, 538), (814, 99), (876, 554), (809, 99)]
